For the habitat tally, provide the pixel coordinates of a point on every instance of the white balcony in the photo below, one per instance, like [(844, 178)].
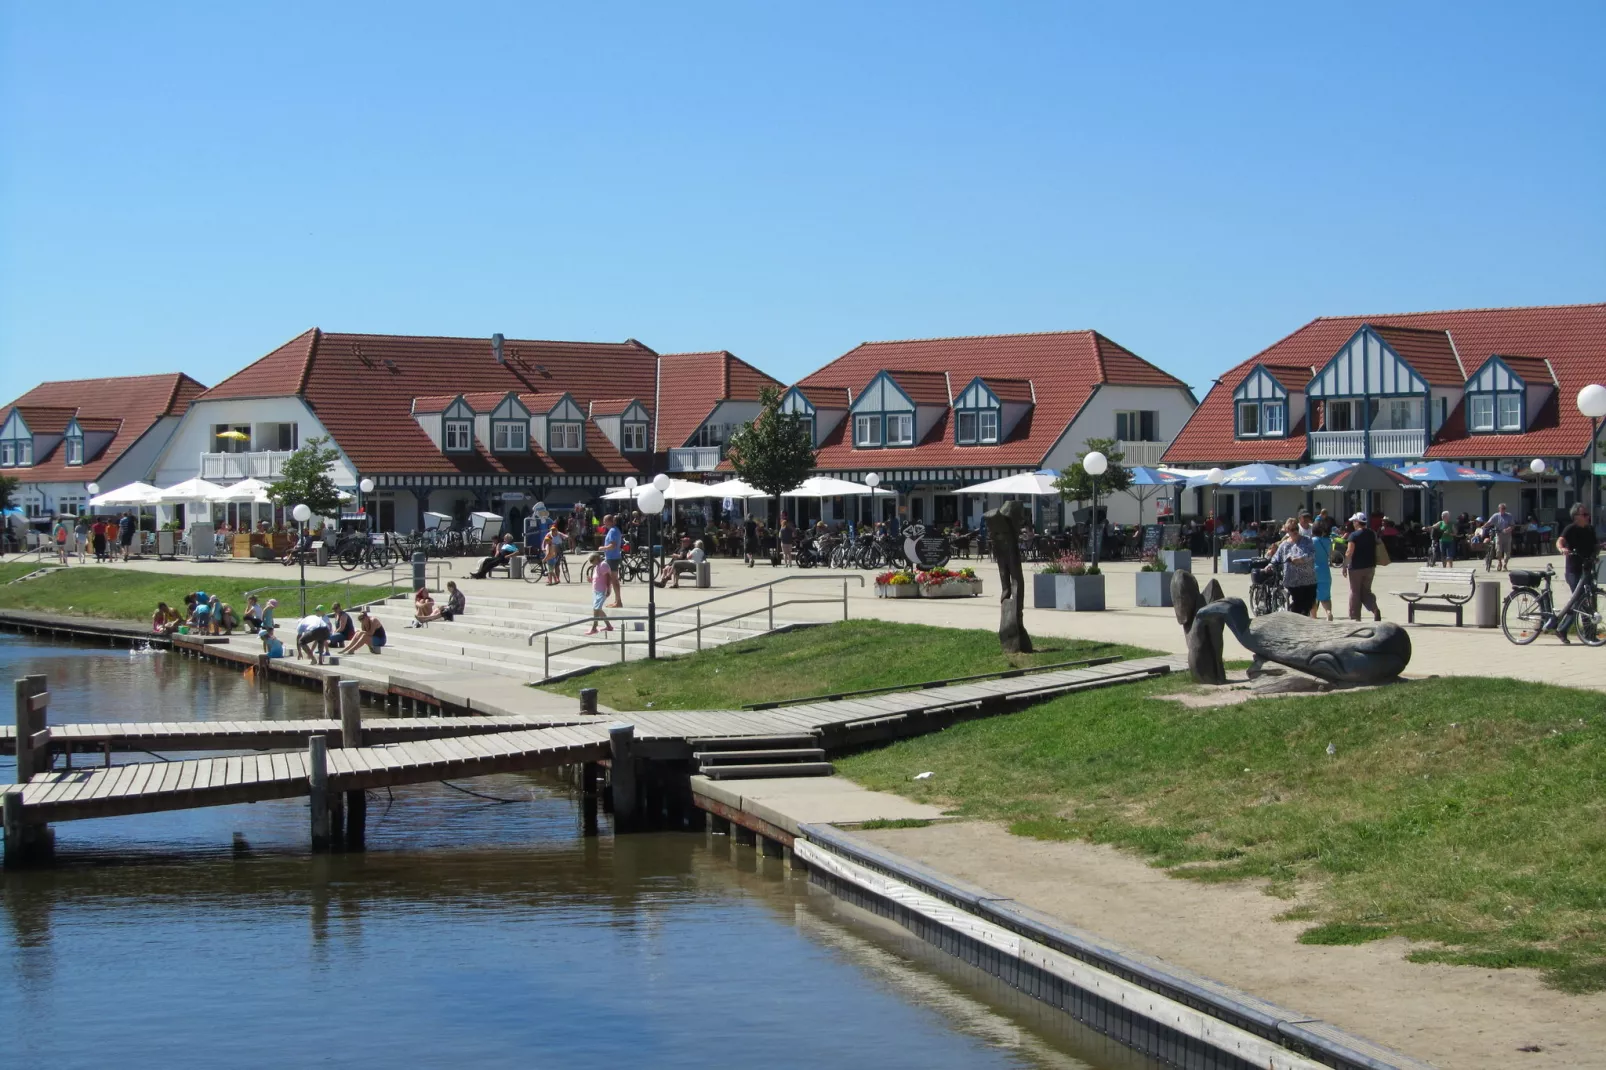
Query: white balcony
[(1140, 453), (233, 467), (694, 459), (1399, 444)]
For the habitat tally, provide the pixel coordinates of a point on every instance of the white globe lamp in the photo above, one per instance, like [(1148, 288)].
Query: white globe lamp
[(1216, 476), (661, 481), (366, 486), (873, 480), (1537, 466), (1592, 401), (1095, 464), (630, 482), (651, 500), (93, 489), (301, 513)]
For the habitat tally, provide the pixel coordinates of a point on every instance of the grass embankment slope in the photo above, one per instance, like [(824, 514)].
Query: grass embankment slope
[(1468, 813), (846, 656), (112, 593)]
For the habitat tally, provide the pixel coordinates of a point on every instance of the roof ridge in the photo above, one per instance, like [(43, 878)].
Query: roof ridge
[(1447, 311), (336, 335), (306, 364), (972, 337), (1403, 327)]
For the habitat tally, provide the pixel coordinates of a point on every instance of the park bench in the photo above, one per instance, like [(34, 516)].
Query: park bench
[(1444, 590)]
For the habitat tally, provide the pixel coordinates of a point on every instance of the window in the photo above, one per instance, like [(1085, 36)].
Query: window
[(25, 451), (965, 429), (712, 435), (277, 437), (565, 436), (1482, 412), (224, 440), (1271, 419), (635, 436), (459, 435), (75, 450), (900, 429), (510, 436), (1510, 412), (987, 426), (1249, 418), (8, 453), (808, 425), (1342, 416), (1138, 426), (867, 430), (1403, 414)]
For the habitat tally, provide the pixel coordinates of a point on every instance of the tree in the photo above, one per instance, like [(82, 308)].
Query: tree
[(1075, 485), (8, 487), (306, 479), (774, 452)]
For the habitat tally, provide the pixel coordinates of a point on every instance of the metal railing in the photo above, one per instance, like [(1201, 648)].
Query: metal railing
[(1392, 444), (699, 625)]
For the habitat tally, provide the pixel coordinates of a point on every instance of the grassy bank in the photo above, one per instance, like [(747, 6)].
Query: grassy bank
[(112, 593), (844, 656), (1470, 813)]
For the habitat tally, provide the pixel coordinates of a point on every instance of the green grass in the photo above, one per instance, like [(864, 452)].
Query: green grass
[(845, 656), (111, 593), (895, 823), (1468, 813), (16, 570), (1335, 933)]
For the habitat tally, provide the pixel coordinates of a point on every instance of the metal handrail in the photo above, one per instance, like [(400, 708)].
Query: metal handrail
[(392, 585), (769, 608)]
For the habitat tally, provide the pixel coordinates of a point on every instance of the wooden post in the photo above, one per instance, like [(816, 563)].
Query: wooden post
[(26, 841), (331, 699), (590, 777), (32, 718), (588, 701), (626, 804), (318, 783), (12, 801), (263, 661), (350, 713)]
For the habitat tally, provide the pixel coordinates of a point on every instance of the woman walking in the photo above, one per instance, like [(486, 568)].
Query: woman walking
[(1322, 540), (601, 583), (1297, 555)]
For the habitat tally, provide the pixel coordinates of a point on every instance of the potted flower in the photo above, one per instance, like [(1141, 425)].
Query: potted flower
[(1237, 550), (896, 583), (1068, 582), (948, 583), (1154, 581), (1176, 557)]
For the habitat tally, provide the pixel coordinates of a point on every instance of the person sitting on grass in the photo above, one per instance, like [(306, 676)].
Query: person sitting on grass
[(164, 621), (341, 628), (312, 636), (601, 583), (370, 634)]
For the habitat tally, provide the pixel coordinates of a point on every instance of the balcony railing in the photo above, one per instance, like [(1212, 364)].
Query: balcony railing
[(1404, 444), (1140, 453), (233, 467), (694, 459)]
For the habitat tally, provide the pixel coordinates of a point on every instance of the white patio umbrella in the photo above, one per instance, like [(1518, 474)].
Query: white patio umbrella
[(832, 487), (135, 493), (246, 490), (679, 490), (191, 490), (734, 488), (1032, 484)]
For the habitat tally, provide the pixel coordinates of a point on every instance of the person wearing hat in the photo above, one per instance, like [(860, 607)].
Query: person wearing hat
[(1360, 565)]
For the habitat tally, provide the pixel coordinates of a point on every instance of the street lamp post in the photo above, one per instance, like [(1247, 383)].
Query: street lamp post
[(873, 480), (366, 486), (651, 500), (1592, 403), (302, 515), (1215, 477), (1095, 464)]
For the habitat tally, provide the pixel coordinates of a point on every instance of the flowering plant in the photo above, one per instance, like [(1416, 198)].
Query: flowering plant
[(933, 577), (1152, 563), (1069, 564), (895, 578)]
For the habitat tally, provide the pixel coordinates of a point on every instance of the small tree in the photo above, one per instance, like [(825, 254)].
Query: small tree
[(8, 487), (306, 479), (775, 451), (1075, 485)]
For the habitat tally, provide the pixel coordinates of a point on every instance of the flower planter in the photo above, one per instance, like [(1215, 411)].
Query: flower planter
[(1046, 590), (1229, 556), (951, 589), (1176, 561), (897, 590), (1154, 588), (1074, 593)]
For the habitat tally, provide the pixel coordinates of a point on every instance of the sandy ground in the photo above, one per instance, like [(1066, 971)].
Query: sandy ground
[(1456, 1017)]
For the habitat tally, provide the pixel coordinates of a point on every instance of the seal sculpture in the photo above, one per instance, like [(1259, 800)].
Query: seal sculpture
[(1003, 531), (1341, 652)]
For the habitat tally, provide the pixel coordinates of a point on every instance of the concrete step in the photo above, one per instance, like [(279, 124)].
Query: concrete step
[(519, 633), (785, 769), (709, 759), (727, 743)]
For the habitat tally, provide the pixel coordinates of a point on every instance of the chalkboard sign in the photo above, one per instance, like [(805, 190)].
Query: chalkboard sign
[(925, 550), (1151, 538)]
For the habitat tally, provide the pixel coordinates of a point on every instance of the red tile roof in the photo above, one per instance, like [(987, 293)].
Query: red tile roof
[(128, 405), (826, 397), (1533, 370), (1294, 377), (1064, 365), (362, 387), (1571, 337), (691, 386), (611, 406), (46, 419), (1430, 352), (1010, 389), (923, 387)]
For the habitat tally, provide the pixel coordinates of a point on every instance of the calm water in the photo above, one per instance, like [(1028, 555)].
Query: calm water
[(470, 933)]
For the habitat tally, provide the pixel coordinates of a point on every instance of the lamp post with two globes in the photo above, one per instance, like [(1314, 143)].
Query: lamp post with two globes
[(1592, 403), (1095, 464), (651, 500)]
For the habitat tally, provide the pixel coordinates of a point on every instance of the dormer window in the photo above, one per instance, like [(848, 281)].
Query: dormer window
[(458, 436), (900, 429), (1248, 419), (867, 430), (75, 449), (1508, 412), (564, 436), (635, 436), (510, 436), (1502, 393), (1260, 409), (986, 410), (8, 454)]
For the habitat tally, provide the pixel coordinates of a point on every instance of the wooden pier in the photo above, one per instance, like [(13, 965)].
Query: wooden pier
[(334, 761)]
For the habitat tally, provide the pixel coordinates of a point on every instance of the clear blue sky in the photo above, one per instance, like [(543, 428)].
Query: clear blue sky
[(185, 186)]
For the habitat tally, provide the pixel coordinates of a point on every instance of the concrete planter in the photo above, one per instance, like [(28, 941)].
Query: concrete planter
[(1176, 561), (1074, 593), (897, 590), (951, 589), (1154, 588), (1229, 556)]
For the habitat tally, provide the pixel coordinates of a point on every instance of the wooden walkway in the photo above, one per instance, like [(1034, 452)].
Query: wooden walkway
[(494, 746)]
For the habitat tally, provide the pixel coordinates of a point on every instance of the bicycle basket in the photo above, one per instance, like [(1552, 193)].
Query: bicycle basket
[(1524, 578)]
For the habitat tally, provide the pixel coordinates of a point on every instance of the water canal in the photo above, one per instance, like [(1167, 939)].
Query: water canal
[(471, 932)]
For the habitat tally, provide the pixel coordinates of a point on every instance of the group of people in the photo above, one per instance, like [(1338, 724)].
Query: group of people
[(426, 609), (203, 614), (319, 631), (108, 538), (1303, 560)]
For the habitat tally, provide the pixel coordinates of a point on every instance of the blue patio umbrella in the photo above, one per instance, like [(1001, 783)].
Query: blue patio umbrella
[(1430, 473), (1325, 469), (1259, 475), (1145, 476)]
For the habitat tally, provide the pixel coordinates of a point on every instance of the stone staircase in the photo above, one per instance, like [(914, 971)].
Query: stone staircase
[(752, 757)]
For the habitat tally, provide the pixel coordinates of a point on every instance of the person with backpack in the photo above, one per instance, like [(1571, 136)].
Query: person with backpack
[(125, 534), (62, 534)]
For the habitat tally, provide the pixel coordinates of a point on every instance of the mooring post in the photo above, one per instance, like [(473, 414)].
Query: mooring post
[(318, 785), (331, 699), (33, 752), (12, 801), (588, 701), (263, 661), (351, 736), (26, 841), (626, 792)]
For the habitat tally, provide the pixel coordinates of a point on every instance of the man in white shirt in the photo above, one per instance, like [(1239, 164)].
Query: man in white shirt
[(1500, 526), (312, 635)]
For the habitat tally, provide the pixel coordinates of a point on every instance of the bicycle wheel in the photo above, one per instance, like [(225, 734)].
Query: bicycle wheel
[(350, 558), (1522, 616), (1591, 628)]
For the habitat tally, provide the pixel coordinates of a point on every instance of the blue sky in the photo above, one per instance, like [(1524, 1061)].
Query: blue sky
[(184, 187)]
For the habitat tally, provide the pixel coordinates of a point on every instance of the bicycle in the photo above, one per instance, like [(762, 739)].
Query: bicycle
[(1530, 608), (539, 569), (358, 549), (1266, 595)]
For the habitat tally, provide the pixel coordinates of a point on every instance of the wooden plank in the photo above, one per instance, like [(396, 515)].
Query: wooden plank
[(143, 771), (187, 780), (232, 771), (203, 774)]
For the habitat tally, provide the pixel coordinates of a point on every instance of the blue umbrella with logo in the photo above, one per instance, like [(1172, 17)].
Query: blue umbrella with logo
[(1432, 473), (1146, 477)]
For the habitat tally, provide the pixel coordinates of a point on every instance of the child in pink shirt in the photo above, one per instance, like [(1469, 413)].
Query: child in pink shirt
[(601, 584)]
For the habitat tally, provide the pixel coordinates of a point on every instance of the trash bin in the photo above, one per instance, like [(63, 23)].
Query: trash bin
[(515, 567), (320, 553), (705, 574), (1486, 604)]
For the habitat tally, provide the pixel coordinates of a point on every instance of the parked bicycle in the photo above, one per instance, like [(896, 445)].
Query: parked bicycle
[(1530, 610), (360, 549), (1266, 594)]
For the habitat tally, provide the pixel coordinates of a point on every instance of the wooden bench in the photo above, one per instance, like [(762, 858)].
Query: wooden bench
[(1444, 590)]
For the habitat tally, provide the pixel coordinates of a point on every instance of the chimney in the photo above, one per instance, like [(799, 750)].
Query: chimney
[(496, 347)]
